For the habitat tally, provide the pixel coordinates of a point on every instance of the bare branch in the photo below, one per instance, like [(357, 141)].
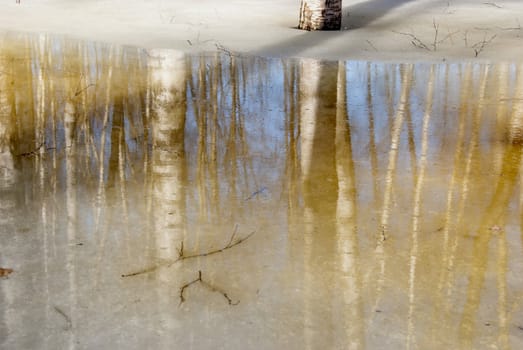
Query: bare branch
[(415, 41), (69, 323), (141, 272), (254, 194), (180, 250), (222, 48), (78, 92), (448, 36), (371, 45), (233, 234), (480, 46), (187, 285), (31, 153), (436, 31), (232, 243), (211, 252), (211, 287), (493, 4)]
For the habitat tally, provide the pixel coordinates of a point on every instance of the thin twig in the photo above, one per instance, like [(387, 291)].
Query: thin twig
[(209, 286), (187, 285), (465, 38), (141, 272), (254, 194), (436, 31), (222, 48), (448, 36), (233, 234), (182, 255), (211, 252), (479, 46), (371, 45), (180, 250), (415, 40), (31, 153), (493, 4), (64, 315), (78, 92)]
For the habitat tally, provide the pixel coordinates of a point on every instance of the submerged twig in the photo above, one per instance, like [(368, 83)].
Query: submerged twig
[(255, 193), (182, 256), (78, 92), (64, 315), (233, 235), (209, 286), (31, 153), (211, 252), (187, 285), (141, 272)]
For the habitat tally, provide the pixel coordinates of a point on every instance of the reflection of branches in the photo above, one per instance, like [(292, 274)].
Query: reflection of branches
[(182, 256), (209, 286)]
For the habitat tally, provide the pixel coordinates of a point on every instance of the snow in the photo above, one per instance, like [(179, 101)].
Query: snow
[(372, 29)]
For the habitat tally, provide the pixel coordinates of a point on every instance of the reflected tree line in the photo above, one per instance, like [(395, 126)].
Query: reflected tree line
[(398, 184)]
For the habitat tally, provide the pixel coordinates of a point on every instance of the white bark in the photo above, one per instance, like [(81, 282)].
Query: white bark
[(320, 15)]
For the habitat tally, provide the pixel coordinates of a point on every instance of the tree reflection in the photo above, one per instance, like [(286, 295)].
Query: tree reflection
[(319, 189)]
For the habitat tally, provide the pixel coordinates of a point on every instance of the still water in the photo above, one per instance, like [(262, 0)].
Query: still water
[(150, 199)]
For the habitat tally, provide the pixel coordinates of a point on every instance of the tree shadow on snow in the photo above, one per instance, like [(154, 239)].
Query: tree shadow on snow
[(365, 12), (354, 16)]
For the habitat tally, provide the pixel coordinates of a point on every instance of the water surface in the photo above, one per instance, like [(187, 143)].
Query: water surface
[(150, 199)]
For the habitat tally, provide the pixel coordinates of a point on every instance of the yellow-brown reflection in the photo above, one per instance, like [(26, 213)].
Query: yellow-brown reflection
[(7, 182), (347, 242), (494, 220), (417, 212), (319, 188)]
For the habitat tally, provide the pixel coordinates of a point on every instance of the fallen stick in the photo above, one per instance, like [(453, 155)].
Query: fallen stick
[(209, 286), (182, 255)]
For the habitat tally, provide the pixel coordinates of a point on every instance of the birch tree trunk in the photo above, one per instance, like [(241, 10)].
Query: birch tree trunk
[(320, 15)]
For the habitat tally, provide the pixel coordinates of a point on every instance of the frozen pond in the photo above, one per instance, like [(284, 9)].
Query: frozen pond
[(154, 200)]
